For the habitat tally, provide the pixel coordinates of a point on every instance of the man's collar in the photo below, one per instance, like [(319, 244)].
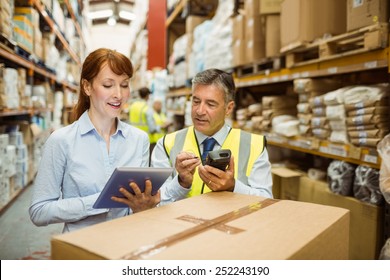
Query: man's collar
[(220, 135)]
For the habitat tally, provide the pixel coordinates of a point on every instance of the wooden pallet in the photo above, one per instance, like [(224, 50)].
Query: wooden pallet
[(362, 40), (7, 44), (260, 67), (20, 50), (14, 47)]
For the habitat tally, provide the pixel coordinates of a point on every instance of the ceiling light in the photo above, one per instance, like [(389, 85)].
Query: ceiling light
[(100, 14), (111, 21), (127, 15)]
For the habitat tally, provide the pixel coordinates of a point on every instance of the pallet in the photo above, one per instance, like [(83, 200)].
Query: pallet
[(260, 67), (362, 40), (22, 52), (7, 44)]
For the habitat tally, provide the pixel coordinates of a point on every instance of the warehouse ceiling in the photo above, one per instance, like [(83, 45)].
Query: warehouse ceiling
[(111, 12)]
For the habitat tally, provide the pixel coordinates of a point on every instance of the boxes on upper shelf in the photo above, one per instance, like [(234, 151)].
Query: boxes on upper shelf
[(272, 35), (270, 6), (303, 21), (365, 13)]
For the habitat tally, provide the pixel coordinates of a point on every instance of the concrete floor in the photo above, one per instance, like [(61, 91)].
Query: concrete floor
[(20, 239)]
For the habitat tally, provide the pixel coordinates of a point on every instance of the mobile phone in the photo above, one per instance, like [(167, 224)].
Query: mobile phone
[(219, 159)]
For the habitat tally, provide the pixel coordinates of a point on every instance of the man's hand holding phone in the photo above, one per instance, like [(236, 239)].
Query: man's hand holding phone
[(218, 171), (219, 159)]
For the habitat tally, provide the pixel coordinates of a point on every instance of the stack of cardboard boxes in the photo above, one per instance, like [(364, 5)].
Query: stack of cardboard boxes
[(303, 21), (256, 33), (366, 223), (6, 13)]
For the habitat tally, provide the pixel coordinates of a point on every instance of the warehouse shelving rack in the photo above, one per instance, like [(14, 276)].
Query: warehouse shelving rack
[(10, 55), (347, 63)]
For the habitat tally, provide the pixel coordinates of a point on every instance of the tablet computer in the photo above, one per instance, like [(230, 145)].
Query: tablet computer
[(122, 176)]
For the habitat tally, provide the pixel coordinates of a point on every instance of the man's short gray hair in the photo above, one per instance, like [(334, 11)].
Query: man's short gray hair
[(218, 78)]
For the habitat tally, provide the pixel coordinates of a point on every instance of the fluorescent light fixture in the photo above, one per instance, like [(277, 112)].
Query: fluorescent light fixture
[(100, 14), (111, 21), (127, 15)]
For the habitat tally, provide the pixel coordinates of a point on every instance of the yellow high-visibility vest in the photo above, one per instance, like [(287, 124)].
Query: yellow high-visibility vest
[(137, 116), (244, 146), (160, 120)]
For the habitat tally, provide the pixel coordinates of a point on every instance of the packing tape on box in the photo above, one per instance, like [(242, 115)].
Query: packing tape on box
[(221, 227), (218, 223)]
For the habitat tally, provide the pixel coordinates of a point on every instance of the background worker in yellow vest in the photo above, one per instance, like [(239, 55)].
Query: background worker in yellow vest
[(160, 120), (249, 170), (140, 114)]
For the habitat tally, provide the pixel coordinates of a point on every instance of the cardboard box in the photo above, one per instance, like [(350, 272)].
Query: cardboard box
[(252, 7), (254, 39), (303, 21), (279, 101), (255, 28), (310, 85), (272, 35), (238, 52), (286, 183), (366, 12), (220, 225), (255, 51), (238, 32), (270, 6), (366, 222)]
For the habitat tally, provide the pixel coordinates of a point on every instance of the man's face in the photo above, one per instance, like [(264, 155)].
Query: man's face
[(157, 106), (209, 109)]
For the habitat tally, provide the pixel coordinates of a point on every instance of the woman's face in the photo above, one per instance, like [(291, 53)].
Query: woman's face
[(108, 93)]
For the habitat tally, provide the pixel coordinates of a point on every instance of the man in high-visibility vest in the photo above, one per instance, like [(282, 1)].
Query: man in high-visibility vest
[(140, 115), (161, 122), (249, 170)]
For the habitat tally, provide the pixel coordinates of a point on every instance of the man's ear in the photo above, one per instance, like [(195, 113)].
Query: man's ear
[(229, 108)]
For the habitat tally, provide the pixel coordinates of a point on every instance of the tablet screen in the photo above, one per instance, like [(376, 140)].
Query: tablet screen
[(122, 176)]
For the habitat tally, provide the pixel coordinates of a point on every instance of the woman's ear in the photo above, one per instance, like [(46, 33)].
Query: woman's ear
[(86, 87)]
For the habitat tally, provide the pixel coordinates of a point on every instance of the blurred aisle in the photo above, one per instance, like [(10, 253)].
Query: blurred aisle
[(19, 237)]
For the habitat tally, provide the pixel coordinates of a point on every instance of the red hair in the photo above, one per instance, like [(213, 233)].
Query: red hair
[(118, 63)]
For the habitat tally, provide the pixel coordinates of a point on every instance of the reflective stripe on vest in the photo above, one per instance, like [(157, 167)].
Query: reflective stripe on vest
[(245, 147)]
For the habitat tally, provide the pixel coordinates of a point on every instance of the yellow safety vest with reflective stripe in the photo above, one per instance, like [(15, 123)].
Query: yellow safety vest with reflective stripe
[(137, 116), (244, 146), (160, 120)]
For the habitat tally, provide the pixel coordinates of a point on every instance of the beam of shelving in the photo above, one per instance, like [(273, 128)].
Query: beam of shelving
[(54, 28), (26, 63), (18, 112), (364, 157), (29, 65), (179, 92), (76, 23), (361, 62), (178, 9)]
